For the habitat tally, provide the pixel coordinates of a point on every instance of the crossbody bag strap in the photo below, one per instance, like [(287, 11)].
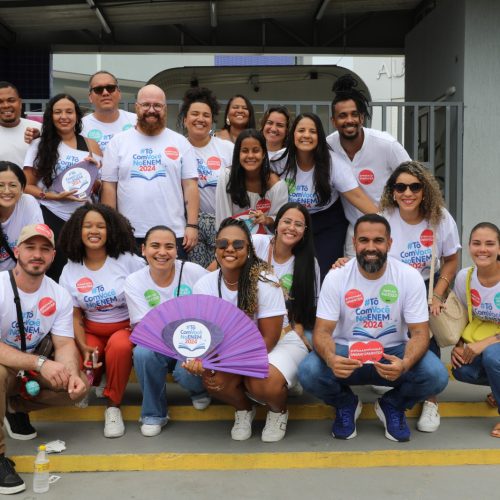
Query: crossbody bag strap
[(19, 311), (180, 277), (433, 258), (468, 294), (5, 244)]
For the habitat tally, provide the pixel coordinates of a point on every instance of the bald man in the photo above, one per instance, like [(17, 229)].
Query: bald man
[(150, 174)]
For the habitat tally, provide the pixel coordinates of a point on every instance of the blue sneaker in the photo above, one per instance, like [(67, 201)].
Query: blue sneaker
[(344, 426), (394, 420)]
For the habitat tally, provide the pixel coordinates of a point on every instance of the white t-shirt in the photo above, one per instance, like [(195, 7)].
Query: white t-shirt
[(301, 190), (283, 271), (270, 298), (412, 244), (211, 159), (143, 294), (485, 300), (372, 165), (27, 211), (99, 294), (49, 309), (149, 171), (67, 158), (373, 309), (12, 145), (102, 132), (274, 199)]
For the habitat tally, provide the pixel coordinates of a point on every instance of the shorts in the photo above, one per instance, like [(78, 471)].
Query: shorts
[(287, 355)]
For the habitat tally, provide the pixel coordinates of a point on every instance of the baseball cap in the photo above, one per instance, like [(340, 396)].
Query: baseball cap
[(36, 230)]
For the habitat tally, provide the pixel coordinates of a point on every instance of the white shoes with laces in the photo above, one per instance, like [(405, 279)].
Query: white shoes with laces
[(113, 423), (242, 428), (275, 427), (429, 418)]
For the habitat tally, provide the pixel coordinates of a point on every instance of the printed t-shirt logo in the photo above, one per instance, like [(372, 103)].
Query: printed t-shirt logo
[(475, 297), (47, 306), (263, 205), (127, 126), (353, 298), (427, 237), (172, 152), (497, 300), (152, 297), (84, 285), (366, 177), (389, 294), (95, 134), (182, 290), (286, 282), (214, 163)]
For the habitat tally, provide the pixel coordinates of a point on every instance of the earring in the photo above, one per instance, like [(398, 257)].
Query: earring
[(394, 197), (228, 122)]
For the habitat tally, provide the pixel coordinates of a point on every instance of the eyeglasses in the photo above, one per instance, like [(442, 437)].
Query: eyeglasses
[(10, 187), (157, 106), (101, 88), (300, 226), (401, 187), (224, 243)]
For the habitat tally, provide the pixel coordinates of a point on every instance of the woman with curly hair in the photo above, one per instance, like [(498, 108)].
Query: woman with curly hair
[(274, 126), (238, 116), (413, 204), (100, 244), (316, 176), (59, 147), (197, 114), (249, 190), (17, 210), (245, 281)]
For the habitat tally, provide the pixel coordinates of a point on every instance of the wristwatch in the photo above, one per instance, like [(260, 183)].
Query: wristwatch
[(39, 363)]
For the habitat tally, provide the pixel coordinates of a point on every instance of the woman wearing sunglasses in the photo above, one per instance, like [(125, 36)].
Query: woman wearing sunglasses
[(164, 278), (476, 357), (244, 280), (413, 204), (249, 190), (100, 245), (290, 254), (197, 114), (274, 126), (16, 211), (59, 147), (238, 116)]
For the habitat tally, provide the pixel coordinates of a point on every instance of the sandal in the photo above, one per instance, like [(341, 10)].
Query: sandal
[(495, 431), (490, 399)]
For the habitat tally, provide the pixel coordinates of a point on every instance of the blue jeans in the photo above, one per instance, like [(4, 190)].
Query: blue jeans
[(484, 370), (426, 378), (152, 369)]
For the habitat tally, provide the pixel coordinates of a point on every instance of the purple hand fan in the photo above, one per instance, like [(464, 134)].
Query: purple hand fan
[(80, 176), (206, 327)]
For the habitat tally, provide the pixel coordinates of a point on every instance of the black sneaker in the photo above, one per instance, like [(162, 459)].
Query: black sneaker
[(18, 426), (10, 482)]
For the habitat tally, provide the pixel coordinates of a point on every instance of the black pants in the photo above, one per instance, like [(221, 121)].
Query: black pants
[(56, 224)]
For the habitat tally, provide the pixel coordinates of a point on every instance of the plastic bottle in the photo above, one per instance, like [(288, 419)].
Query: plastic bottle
[(41, 473)]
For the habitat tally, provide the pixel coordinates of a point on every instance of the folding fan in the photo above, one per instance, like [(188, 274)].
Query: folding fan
[(206, 327)]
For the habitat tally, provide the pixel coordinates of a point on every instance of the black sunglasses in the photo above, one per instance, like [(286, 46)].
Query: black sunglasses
[(223, 243), (101, 88), (401, 187)]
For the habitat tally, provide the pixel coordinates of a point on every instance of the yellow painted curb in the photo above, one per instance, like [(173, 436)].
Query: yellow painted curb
[(223, 412), (248, 461)]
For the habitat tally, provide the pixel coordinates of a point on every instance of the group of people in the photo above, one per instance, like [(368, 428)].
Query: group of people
[(322, 241)]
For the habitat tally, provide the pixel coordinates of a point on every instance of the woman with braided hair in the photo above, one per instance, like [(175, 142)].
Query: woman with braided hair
[(245, 280)]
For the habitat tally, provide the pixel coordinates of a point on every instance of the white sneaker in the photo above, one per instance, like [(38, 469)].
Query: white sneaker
[(275, 427), (113, 423), (429, 418), (242, 428), (381, 389), (202, 403), (296, 390), (150, 430)]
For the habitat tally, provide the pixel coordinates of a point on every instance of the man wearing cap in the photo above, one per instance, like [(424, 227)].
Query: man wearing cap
[(46, 308)]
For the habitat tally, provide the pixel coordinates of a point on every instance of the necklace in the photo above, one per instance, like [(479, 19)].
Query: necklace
[(229, 283), (219, 283)]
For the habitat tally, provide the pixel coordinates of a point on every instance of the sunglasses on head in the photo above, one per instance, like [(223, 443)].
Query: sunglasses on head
[(101, 88), (401, 187), (223, 243)]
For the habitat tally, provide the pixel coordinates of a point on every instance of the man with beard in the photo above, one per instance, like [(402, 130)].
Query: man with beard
[(373, 155), (12, 126), (46, 308), (376, 299), (150, 174)]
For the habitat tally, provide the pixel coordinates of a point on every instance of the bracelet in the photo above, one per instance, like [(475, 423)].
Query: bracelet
[(194, 226), (442, 277), (42, 195), (441, 299)]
